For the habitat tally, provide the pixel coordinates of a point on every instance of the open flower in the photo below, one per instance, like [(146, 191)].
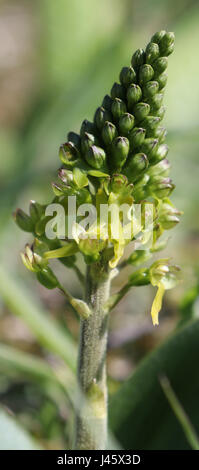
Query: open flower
[(165, 277)]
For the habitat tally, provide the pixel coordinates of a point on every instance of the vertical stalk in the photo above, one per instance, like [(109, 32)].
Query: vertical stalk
[(91, 420)]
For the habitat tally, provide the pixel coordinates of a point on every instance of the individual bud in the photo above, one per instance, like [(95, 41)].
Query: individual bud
[(150, 89), (162, 80), (168, 216), (160, 133), (117, 91), (117, 183), (47, 278), (81, 308), (138, 58), (66, 176), (136, 137), (139, 278), (87, 141), (107, 103), (127, 76), (87, 126), (120, 150), (146, 73), (162, 188), (150, 123), (149, 147), (126, 123), (135, 166), (101, 115), (161, 112), (152, 52), (23, 221), (75, 139), (160, 65), (35, 211), (68, 154), (156, 100), (109, 132), (162, 168), (160, 153), (157, 37), (141, 110), (118, 108), (95, 157), (167, 43), (134, 94)]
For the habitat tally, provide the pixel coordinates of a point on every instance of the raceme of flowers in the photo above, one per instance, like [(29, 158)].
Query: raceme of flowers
[(120, 157)]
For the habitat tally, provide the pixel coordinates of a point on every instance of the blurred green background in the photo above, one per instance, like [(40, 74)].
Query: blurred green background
[(57, 60)]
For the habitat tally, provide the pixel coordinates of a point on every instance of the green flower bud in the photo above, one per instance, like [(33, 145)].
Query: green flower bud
[(95, 157), (161, 168), (162, 80), (136, 137), (146, 73), (75, 139), (157, 37), (138, 58), (168, 216), (149, 147), (160, 133), (87, 126), (152, 52), (127, 76), (107, 103), (120, 150), (126, 123), (161, 112), (35, 210), (68, 154), (23, 221), (66, 176), (160, 153), (47, 278), (139, 278), (141, 110), (150, 123), (109, 132), (160, 65), (101, 115), (167, 44), (81, 308), (150, 89), (134, 94), (118, 108), (135, 166), (117, 183), (87, 141), (162, 188), (117, 91), (156, 100)]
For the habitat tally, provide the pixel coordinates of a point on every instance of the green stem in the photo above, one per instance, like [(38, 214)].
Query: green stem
[(91, 423)]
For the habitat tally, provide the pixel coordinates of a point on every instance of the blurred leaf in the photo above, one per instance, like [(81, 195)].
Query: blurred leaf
[(46, 329), (13, 436), (18, 362), (140, 415), (180, 413)]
